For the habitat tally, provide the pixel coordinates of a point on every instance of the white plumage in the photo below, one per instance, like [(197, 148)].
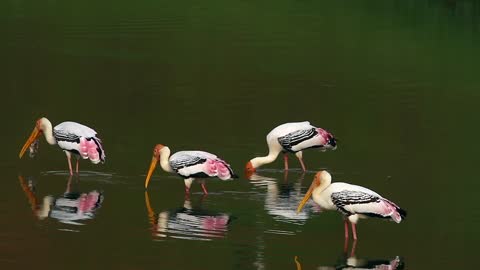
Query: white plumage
[(73, 138), (190, 165), (292, 138), (351, 200), (75, 129)]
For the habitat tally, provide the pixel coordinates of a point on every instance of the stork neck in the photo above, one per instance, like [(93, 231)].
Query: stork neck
[(260, 161), (326, 182), (46, 127), (164, 159)]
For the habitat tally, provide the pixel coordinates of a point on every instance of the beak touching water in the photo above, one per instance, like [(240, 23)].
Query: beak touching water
[(306, 197), (249, 170), (35, 134), (153, 164)]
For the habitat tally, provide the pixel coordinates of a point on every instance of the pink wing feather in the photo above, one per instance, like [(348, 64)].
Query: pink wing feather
[(217, 167)]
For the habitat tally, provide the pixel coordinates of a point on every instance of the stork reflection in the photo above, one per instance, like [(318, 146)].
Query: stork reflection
[(282, 198), (187, 222), (353, 262), (72, 207)]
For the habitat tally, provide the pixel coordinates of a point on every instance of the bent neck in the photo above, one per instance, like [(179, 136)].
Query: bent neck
[(260, 161), (164, 159), (326, 182), (46, 128)]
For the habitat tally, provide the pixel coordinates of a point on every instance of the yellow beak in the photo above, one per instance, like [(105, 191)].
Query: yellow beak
[(150, 170), (35, 134), (306, 197)]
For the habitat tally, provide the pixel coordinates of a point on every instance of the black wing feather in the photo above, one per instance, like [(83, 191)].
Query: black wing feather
[(291, 139)]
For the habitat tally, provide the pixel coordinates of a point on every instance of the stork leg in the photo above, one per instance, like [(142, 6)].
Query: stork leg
[(299, 155), (345, 245), (78, 159), (354, 231), (354, 246), (285, 160), (69, 185), (188, 184), (346, 229), (204, 188), (303, 164), (285, 177), (69, 158)]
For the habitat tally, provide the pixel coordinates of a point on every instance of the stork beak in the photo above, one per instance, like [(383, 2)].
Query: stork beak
[(150, 170), (306, 197), (35, 134)]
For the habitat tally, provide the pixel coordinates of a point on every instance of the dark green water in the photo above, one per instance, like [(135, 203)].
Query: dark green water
[(396, 81)]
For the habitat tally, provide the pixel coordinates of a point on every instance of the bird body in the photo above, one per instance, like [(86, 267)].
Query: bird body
[(190, 165), (352, 201), (79, 139), (199, 164), (292, 138), (71, 137), (356, 202)]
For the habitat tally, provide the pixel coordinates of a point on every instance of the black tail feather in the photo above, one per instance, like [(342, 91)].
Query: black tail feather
[(402, 212)]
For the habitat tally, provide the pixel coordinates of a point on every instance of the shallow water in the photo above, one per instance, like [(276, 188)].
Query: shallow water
[(395, 81)]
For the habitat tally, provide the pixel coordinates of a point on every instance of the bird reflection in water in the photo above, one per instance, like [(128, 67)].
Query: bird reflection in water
[(282, 199), (353, 263), (69, 208), (187, 222)]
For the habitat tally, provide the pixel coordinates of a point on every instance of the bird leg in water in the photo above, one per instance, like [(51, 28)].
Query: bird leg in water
[(285, 160), (204, 188), (69, 185), (78, 159), (188, 184), (299, 155), (303, 164), (69, 157)]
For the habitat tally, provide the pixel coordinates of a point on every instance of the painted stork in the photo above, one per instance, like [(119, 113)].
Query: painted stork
[(71, 137), (189, 165), (352, 201), (292, 138)]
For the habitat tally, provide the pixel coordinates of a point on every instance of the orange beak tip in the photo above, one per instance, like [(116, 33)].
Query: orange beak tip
[(153, 164)]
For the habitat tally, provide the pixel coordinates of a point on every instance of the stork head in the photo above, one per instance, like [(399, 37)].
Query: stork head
[(249, 169), (331, 142), (322, 178), (155, 159), (41, 125)]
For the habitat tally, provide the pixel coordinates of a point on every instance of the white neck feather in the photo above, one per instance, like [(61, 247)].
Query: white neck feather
[(164, 159), (46, 128), (259, 161), (325, 182)]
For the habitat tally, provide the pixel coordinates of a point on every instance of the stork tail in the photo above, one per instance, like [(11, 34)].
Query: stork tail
[(220, 168), (396, 213), (91, 148)]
